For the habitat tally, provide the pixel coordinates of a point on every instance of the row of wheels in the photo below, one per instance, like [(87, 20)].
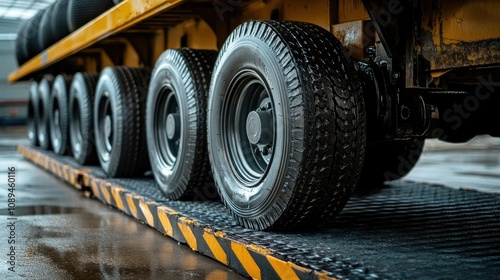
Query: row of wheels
[(57, 109), (54, 23), (276, 120)]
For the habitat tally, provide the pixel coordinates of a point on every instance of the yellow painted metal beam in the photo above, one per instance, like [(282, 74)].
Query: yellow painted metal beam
[(118, 18)]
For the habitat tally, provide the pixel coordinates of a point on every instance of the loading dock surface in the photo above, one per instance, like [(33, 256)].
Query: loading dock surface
[(405, 230)]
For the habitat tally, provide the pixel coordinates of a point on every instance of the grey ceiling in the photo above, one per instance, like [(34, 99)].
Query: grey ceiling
[(21, 9), (14, 12)]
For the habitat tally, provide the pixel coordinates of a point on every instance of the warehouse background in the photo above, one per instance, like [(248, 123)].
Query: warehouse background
[(13, 96), (8, 33)]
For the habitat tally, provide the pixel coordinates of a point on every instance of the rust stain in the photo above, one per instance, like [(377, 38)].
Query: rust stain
[(459, 33), (220, 234), (259, 249)]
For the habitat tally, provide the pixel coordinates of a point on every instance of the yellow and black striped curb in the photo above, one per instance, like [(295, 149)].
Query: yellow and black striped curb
[(78, 178), (248, 259)]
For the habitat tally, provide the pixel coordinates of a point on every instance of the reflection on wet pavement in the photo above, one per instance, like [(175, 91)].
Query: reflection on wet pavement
[(41, 210), (475, 165), (60, 234)]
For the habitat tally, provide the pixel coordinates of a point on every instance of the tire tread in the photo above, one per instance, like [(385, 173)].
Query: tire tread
[(82, 90), (328, 124)]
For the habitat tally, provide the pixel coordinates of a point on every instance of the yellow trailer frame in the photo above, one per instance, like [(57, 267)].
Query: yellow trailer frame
[(113, 21), (209, 25), (447, 34)]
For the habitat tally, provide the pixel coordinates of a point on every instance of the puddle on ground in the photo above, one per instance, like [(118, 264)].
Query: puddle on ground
[(480, 174), (41, 210)]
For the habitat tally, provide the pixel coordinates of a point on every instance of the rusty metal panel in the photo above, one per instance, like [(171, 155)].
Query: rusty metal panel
[(317, 12), (351, 10), (259, 10), (459, 33), (199, 35), (352, 36)]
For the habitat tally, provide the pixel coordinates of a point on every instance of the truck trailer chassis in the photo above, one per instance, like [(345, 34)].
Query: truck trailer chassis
[(287, 106)]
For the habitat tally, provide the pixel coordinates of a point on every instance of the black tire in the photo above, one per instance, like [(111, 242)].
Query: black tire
[(32, 121), (46, 36), (388, 161), (119, 121), (59, 23), (81, 118), (21, 51), (44, 109), (293, 87), (33, 46), (59, 115), (178, 95), (82, 11)]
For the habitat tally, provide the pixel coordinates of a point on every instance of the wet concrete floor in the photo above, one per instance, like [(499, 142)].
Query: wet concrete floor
[(60, 234), (472, 165)]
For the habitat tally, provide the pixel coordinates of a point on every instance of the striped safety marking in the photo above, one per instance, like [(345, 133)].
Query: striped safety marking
[(246, 258), (116, 192), (215, 247)]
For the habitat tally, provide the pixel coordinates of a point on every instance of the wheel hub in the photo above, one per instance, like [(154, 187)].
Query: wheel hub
[(259, 127), (107, 132), (56, 118), (107, 126), (173, 122), (169, 121), (248, 128)]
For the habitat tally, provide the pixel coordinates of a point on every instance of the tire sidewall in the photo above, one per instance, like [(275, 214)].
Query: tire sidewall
[(167, 74), (59, 97), (107, 89), (259, 56), (75, 99), (44, 89), (81, 95)]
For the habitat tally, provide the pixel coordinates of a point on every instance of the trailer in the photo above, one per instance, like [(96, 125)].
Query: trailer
[(283, 108)]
